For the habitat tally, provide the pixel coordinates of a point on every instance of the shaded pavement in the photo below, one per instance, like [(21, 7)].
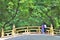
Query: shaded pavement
[(35, 37)]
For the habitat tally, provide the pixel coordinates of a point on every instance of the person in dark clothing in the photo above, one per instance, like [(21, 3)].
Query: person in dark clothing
[(43, 27)]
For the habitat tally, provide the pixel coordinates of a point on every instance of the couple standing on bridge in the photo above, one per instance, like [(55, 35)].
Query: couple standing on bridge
[(43, 28)]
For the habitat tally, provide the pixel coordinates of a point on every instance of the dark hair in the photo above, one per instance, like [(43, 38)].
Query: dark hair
[(43, 23)]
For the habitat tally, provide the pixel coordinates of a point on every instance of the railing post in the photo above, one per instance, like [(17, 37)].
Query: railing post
[(13, 30), (51, 30), (39, 30), (2, 33), (27, 29)]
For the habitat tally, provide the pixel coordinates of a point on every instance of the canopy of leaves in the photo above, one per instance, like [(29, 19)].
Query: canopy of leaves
[(29, 13)]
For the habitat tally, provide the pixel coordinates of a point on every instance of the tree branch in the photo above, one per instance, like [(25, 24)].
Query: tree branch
[(13, 16), (46, 13)]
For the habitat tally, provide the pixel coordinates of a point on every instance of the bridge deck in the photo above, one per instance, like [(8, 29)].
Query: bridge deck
[(32, 37)]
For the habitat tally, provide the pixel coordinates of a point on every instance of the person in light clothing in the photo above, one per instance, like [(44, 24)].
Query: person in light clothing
[(43, 28)]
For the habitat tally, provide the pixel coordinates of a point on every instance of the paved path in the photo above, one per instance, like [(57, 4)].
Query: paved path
[(35, 37)]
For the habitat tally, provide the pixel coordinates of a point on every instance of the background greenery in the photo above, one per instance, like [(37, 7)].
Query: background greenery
[(29, 13)]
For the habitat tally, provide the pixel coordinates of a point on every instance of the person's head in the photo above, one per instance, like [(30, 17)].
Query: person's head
[(44, 23)]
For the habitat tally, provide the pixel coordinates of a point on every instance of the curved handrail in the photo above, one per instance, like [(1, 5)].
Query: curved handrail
[(31, 29)]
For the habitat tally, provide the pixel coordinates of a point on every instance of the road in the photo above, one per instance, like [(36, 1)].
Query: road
[(35, 37)]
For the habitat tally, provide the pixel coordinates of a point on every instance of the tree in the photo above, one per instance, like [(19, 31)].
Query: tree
[(29, 13)]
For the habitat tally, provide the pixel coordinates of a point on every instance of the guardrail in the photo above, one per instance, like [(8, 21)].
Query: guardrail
[(30, 29)]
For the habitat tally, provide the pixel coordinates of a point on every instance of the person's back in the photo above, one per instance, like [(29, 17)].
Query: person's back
[(42, 29), (45, 28)]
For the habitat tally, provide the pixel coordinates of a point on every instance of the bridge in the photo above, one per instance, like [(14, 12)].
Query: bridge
[(28, 30)]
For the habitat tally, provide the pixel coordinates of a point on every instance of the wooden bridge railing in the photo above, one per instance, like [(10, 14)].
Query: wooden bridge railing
[(28, 29)]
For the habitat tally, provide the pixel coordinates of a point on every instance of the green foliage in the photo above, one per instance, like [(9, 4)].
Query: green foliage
[(29, 13)]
